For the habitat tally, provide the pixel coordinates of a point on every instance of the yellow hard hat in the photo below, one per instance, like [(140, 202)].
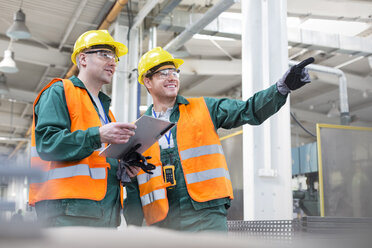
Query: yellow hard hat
[(153, 58), (97, 37)]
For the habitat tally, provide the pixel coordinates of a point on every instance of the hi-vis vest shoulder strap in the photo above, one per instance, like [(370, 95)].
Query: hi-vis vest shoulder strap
[(203, 163), (84, 179)]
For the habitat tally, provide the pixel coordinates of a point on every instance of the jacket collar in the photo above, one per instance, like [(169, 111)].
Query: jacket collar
[(179, 100), (78, 83)]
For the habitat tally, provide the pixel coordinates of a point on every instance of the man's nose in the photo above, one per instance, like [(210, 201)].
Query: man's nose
[(112, 62)]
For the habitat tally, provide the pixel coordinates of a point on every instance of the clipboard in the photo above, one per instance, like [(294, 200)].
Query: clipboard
[(149, 130)]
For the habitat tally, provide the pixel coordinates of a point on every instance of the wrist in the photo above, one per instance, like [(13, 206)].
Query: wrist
[(282, 88)]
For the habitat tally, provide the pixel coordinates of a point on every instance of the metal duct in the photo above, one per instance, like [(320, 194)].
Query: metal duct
[(344, 105)]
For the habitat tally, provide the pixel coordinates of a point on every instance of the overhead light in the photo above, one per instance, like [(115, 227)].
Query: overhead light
[(19, 30), (3, 86), (8, 64), (333, 112)]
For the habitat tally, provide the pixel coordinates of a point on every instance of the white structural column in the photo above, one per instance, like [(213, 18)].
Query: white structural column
[(133, 82), (124, 88), (120, 94), (266, 148), (152, 45)]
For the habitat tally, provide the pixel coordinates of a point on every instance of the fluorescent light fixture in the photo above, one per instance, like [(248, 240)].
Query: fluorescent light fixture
[(347, 28), (8, 64), (18, 30)]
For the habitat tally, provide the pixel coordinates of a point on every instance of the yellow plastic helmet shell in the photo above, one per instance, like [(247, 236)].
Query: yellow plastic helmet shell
[(153, 58), (97, 37)]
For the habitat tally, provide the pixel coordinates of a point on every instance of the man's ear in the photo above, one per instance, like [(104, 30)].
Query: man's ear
[(82, 59), (147, 82)]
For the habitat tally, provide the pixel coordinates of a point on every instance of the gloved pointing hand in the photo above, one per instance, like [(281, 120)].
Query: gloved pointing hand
[(296, 77)]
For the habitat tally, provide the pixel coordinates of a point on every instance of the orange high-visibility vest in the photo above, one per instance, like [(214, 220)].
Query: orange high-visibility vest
[(83, 179), (203, 163)]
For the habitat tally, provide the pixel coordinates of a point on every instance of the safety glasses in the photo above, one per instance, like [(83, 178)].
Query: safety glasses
[(165, 73), (105, 54)]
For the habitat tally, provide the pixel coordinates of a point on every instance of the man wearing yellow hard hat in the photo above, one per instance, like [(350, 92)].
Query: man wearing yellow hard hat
[(71, 124), (190, 188)]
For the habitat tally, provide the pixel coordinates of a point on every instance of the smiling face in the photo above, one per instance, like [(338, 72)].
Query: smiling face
[(99, 64), (164, 83)]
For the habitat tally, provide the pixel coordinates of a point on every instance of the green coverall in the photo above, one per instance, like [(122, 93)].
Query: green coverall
[(55, 142), (185, 213)]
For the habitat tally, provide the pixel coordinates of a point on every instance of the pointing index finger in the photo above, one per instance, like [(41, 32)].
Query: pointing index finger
[(306, 62)]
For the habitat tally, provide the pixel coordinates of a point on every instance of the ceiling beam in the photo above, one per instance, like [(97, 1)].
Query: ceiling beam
[(37, 55), (20, 95), (329, 42), (349, 10), (360, 107), (166, 8), (231, 28), (211, 67), (234, 67), (145, 10), (198, 25), (314, 117), (72, 23)]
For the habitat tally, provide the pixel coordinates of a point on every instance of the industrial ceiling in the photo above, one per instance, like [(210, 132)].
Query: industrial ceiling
[(212, 65)]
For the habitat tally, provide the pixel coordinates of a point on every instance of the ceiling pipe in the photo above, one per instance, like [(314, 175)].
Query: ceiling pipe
[(344, 104), (199, 25), (110, 18)]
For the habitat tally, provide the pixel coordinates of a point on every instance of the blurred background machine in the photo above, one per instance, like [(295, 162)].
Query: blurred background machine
[(331, 177), (305, 180)]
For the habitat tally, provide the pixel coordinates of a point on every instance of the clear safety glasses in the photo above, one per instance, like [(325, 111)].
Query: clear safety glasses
[(105, 54), (165, 73)]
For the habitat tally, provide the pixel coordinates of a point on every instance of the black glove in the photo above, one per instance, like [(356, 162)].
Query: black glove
[(121, 173), (133, 158), (297, 76)]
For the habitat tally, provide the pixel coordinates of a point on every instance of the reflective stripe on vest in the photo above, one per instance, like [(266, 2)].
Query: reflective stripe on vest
[(145, 177), (71, 171), (200, 151), (207, 175), (202, 160), (83, 179), (153, 196)]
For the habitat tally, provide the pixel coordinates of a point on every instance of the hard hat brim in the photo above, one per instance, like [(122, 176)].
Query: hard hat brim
[(120, 49), (177, 63)]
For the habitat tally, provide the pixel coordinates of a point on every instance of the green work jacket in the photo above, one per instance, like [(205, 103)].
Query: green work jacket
[(55, 142), (185, 213)]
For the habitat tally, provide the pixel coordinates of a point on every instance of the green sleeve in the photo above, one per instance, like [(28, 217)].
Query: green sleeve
[(230, 113), (133, 213), (54, 140)]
